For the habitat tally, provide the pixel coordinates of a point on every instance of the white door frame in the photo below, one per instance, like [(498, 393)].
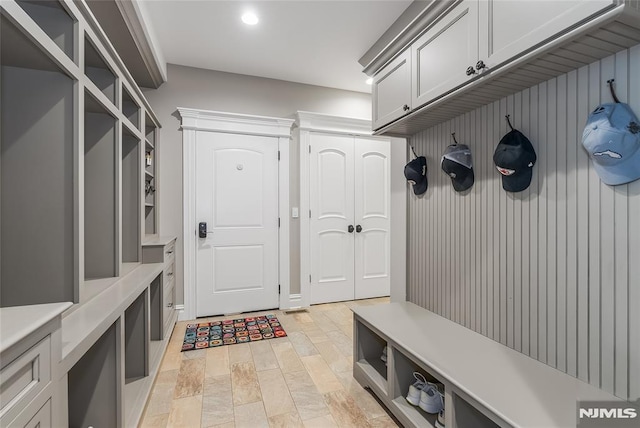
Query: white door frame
[(194, 120), (309, 122)]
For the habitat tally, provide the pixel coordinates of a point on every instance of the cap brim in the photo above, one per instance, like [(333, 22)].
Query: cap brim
[(420, 188), (464, 184), (621, 173), (517, 182)]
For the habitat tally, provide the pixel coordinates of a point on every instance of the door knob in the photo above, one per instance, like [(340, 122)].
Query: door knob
[(406, 107), (350, 228), (480, 65), (470, 71), (358, 228)]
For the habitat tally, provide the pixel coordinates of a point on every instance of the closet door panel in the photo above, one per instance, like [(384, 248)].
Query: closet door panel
[(332, 201), (372, 215)]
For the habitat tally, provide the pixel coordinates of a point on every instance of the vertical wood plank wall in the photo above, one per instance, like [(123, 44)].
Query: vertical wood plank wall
[(554, 271)]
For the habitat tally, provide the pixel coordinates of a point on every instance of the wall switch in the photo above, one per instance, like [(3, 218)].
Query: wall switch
[(294, 212)]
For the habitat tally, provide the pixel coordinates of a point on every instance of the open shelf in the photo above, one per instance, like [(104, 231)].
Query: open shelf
[(130, 109), (469, 416), (94, 390), (150, 131), (99, 191), (96, 69), (130, 197), (37, 175), (404, 367), (54, 20), (157, 304), (136, 346), (368, 353)]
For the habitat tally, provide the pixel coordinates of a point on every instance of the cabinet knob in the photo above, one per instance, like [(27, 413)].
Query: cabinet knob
[(406, 107), (480, 65), (470, 71), (169, 305)]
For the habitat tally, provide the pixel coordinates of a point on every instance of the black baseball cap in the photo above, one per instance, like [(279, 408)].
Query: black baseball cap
[(456, 162), (416, 174), (514, 159)]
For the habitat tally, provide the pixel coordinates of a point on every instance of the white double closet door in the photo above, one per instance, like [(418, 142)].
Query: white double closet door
[(349, 218)]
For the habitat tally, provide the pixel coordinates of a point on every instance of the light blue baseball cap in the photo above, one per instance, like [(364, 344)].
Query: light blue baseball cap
[(612, 139)]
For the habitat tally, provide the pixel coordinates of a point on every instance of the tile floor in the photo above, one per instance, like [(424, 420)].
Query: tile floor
[(303, 380)]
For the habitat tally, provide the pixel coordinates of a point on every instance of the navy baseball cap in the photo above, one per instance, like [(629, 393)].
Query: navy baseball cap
[(612, 138), (416, 174), (456, 162), (514, 158)]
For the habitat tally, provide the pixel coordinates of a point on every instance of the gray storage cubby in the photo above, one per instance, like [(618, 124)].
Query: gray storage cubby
[(467, 415), (99, 191), (136, 338), (52, 17), (37, 175), (96, 69), (369, 348), (403, 368), (156, 318), (130, 197), (94, 390), (130, 109)]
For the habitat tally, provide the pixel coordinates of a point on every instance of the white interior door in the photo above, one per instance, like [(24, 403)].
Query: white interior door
[(237, 197), (331, 201), (372, 207)]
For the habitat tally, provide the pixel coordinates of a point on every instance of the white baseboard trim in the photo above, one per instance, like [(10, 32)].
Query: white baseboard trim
[(182, 316)]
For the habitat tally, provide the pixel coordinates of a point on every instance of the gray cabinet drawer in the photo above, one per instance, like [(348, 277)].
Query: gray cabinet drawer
[(23, 378)]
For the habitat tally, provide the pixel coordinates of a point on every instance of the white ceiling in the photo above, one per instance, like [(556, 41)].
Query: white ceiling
[(313, 42)]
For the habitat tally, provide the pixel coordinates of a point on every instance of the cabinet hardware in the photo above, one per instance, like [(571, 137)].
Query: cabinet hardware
[(358, 228), (470, 71), (406, 107), (480, 65), (169, 305), (169, 252), (170, 274), (350, 228)]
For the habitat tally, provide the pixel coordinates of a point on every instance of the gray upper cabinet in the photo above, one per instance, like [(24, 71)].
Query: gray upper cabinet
[(509, 28), (392, 90), (463, 57), (443, 54)]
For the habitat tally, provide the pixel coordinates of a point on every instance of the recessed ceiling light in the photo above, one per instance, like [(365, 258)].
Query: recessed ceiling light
[(250, 18), (369, 81)]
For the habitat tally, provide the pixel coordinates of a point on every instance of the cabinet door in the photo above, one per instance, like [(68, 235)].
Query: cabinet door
[(392, 91), (510, 27), (441, 55)]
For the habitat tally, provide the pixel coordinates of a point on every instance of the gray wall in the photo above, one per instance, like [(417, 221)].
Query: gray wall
[(553, 271), (213, 90)]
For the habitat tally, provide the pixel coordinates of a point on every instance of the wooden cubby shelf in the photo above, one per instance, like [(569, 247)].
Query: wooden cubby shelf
[(74, 212)]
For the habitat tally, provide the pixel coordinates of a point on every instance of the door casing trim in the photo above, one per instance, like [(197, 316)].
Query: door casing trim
[(194, 121)]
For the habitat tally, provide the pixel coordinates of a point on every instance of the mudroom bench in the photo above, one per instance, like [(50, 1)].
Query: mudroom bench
[(486, 383)]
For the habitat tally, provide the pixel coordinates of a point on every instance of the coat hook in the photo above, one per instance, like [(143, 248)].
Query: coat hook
[(613, 92), (414, 152), (509, 121), (453, 134)]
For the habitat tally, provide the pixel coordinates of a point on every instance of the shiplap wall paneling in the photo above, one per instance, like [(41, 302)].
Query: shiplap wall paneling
[(553, 271)]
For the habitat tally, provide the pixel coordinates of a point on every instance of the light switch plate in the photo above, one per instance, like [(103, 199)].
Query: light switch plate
[(294, 212)]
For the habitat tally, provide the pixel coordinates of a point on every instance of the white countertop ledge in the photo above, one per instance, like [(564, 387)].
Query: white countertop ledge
[(18, 322), (84, 326)]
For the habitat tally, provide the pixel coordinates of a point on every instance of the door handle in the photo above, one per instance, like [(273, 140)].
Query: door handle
[(202, 229), (350, 228), (358, 228)]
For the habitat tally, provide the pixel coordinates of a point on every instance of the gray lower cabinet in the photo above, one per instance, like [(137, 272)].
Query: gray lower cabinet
[(30, 353), (162, 250)]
